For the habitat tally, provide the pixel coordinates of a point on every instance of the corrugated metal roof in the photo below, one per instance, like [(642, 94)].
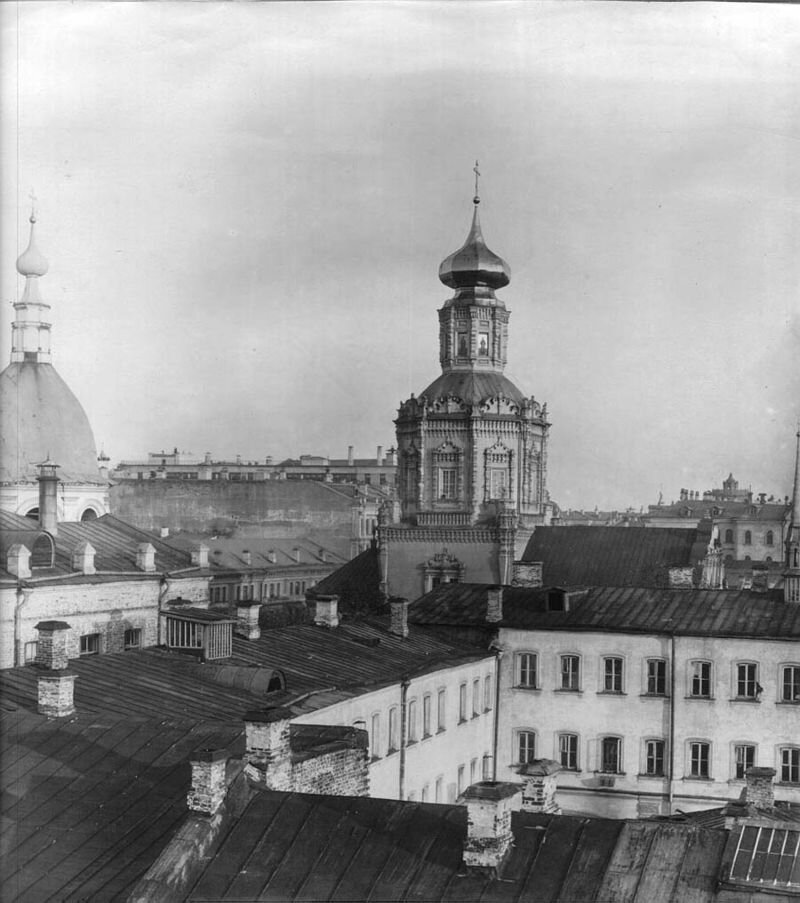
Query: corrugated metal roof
[(735, 613), (611, 556), (231, 553)]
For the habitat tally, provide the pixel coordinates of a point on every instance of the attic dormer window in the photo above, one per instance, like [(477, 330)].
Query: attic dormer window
[(42, 552)]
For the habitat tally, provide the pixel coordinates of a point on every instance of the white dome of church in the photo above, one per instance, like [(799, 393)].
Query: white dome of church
[(40, 417)]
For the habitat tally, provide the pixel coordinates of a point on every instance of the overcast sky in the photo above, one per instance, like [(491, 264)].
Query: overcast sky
[(245, 206)]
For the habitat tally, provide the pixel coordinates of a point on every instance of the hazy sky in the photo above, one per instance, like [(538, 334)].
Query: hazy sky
[(245, 206)]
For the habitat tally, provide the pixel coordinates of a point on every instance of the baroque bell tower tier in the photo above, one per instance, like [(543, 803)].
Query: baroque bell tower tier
[(472, 448)]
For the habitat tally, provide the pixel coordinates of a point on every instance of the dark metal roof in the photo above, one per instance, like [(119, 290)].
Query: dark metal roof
[(114, 541), (622, 609), (291, 846), (357, 583), (473, 387), (614, 556)]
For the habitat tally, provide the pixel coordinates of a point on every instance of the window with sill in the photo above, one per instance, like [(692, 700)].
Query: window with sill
[(393, 739), (487, 693), (744, 757), (462, 703), (747, 685), (375, 737), (570, 672), (612, 674), (526, 747), (438, 789), (90, 644), (441, 712), (790, 765), (411, 718), (654, 758), (426, 716), (133, 638), (611, 755), (568, 751), (790, 683), (30, 651), (656, 677), (474, 773), (527, 670), (700, 680), (476, 697), (699, 759), (460, 776)]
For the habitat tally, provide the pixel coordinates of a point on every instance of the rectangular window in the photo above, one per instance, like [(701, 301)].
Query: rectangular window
[(570, 672), (610, 755), (568, 751), (375, 736), (526, 746), (656, 677), (412, 721), (393, 729), (462, 703), (438, 788), (526, 670), (498, 479), (440, 710), (654, 758), (790, 766), (487, 693), (699, 760), (473, 771), (745, 757), (90, 644), (790, 684), (448, 483), (701, 680), (460, 779), (612, 675), (425, 793), (30, 651), (133, 638), (426, 716), (476, 697), (747, 686), (487, 768)]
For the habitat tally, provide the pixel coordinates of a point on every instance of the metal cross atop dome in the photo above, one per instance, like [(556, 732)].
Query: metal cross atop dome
[(34, 199), (476, 199)]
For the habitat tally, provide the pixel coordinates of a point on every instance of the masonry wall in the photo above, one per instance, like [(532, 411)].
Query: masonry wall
[(342, 773), (107, 608), (634, 717)]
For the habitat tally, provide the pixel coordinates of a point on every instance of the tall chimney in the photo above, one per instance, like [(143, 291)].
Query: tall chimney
[(379, 456), (398, 617), (55, 685), (759, 791), (48, 496), (494, 604), (489, 836), (327, 611), (209, 785), (350, 460)]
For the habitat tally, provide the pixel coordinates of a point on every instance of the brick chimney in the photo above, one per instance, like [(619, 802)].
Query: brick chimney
[(268, 756), (145, 557), (350, 459), (527, 573), (379, 456), (326, 613), (83, 558), (398, 617), (200, 555), (489, 807), (48, 496), (247, 625), (540, 783), (494, 604), (209, 784), (55, 685), (759, 790), (760, 578), (18, 560)]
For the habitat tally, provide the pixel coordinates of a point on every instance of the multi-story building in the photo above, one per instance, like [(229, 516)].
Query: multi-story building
[(472, 447)]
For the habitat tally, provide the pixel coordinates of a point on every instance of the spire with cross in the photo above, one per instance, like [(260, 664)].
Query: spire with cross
[(476, 199)]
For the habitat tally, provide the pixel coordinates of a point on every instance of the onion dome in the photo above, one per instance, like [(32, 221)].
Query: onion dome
[(474, 265), (31, 262)]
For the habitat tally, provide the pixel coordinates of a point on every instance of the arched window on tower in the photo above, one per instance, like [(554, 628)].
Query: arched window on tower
[(447, 473), (770, 538), (729, 536), (497, 473), (748, 538)]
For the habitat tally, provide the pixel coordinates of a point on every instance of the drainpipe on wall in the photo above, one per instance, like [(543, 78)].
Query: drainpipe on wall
[(22, 598), (671, 722), (498, 653), (403, 695), (162, 593)]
